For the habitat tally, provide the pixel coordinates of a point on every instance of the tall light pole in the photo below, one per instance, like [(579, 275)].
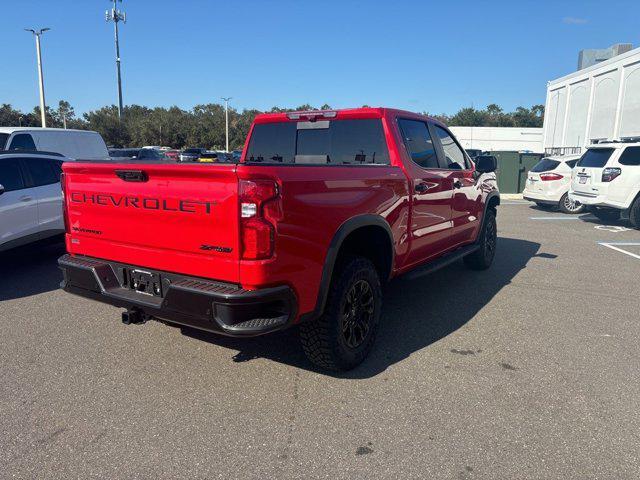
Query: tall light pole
[(116, 16), (37, 34), (226, 116)]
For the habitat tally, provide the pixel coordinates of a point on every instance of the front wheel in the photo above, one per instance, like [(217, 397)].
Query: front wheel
[(567, 205), (342, 337), (482, 258), (634, 213)]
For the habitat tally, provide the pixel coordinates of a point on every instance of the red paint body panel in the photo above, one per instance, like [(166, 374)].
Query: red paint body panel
[(315, 201)]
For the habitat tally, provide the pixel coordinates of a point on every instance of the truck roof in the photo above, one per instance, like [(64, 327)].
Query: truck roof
[(353, 113)]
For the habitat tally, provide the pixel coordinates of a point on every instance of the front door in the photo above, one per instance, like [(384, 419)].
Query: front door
[(466, 202)]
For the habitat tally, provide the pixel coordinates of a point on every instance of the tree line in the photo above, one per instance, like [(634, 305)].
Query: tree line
[(204, 125)]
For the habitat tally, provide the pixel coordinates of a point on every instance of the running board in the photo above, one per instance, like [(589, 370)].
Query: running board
[(439, 263)]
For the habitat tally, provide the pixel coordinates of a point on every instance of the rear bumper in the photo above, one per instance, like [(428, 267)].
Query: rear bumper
[(208, 305), (550, 198), (539, 199)]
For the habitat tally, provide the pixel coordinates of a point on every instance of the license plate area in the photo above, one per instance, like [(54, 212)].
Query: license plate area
[(145, 283), (583, 180)]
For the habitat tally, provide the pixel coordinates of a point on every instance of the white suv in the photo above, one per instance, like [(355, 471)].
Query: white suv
[(30, 197), (607, 180), (548, 183)]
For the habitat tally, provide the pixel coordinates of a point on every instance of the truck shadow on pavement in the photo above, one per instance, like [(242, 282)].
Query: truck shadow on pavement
[(416, 314), (30, 270)]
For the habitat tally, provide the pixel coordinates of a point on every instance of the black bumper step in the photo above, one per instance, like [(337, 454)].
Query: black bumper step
[(208, 305)]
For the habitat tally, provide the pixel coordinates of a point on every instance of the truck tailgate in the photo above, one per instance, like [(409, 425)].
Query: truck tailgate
[(171, 217)]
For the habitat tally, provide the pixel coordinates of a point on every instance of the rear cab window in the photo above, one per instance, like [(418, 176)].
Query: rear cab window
[(595, 157), (3, 140), (320, 142), (545, 165)]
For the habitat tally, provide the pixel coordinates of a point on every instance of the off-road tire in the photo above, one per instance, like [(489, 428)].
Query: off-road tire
[(606, 214), (323, 340), (565, 206), (634, 213), (482, 258)]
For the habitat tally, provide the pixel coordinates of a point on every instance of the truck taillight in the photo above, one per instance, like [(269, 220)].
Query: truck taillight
[(259, 210), (65, 210), (548, 177)]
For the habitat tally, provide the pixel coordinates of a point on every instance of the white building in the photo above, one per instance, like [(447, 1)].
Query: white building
[(500, 138), (599, 102)]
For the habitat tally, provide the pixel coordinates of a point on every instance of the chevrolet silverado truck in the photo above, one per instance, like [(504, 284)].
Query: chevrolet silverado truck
[(322, 209)]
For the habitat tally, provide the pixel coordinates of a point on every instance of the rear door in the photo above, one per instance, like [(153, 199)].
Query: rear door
[(178, 218), (18, 205), (466, 201), (431, 192), (587, 178), (44, 176)]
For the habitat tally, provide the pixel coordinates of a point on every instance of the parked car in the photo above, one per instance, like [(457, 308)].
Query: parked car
[(150, 154), (172, 154), (235, 155), (548, 183), (191, 154), (607, 180), (72, 144), (30, 197), (263, 246), (123, 152)]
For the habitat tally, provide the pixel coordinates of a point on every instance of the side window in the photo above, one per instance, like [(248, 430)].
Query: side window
[(22, 141), (10, 175), (454, 156), (419, 143), (572, 163), (41, 171), (631, 156)]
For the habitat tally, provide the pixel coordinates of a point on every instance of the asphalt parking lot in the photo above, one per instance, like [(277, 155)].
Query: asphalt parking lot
[(528, 370)]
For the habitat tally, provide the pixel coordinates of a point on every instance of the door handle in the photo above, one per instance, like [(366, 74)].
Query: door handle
[(26, 199), (457, 184), (421, 187)]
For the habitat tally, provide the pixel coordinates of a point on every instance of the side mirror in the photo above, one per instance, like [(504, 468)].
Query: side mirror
[(1, 189), (486, 163)]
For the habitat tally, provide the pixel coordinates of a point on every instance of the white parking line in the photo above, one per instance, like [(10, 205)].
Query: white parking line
[(616, 246), (558, 217)]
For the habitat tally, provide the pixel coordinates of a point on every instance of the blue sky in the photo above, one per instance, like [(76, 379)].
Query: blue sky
[(418, 55)]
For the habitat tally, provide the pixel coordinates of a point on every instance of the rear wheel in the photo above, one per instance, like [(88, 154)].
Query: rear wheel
[(634, 213), (566, 205), (606, 214), (482, 258), (344, 335)]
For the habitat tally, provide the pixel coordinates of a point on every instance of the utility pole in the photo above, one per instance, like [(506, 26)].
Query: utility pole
[(116, 16), (226, 116), (37, 34)]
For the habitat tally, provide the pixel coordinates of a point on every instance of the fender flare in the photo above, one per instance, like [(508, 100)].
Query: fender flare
[(487, 201), (349, 226)]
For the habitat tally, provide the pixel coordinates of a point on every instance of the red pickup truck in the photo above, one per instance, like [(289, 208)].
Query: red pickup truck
[(321, 210)]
